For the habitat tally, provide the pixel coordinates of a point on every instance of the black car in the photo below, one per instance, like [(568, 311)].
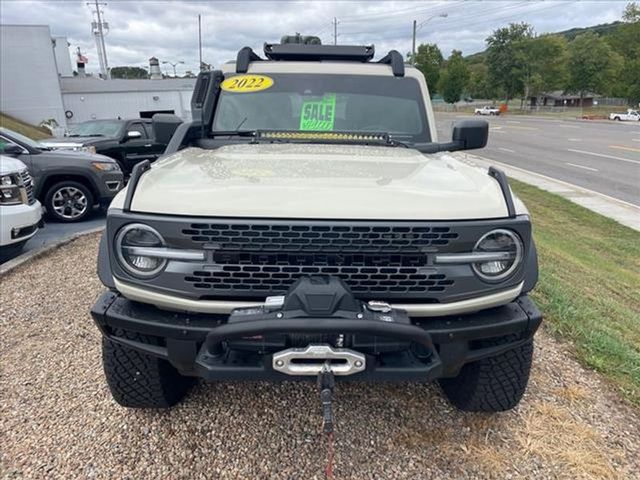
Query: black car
[(69, 184), (126, 141)]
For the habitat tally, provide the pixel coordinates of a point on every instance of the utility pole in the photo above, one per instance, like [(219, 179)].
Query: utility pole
[(416, 27), (200, 41), (413, 44), (335, 31), (100, 29)]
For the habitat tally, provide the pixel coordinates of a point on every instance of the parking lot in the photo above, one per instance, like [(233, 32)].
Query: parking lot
[(61, 422)]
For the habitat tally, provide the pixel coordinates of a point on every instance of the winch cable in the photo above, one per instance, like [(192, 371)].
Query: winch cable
[(326, 384)]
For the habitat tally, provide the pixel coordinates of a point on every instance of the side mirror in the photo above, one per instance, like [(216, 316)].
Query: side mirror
[(12, 149), (133, 134), (470, 134), (164, 126)]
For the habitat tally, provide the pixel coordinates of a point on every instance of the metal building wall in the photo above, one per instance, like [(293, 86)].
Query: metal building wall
[(29, 86), (94, 105)]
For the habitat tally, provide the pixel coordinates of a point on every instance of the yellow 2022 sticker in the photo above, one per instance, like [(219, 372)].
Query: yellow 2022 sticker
[(246, 83)]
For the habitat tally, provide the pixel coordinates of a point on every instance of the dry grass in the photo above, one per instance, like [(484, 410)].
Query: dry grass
[(26, 129)]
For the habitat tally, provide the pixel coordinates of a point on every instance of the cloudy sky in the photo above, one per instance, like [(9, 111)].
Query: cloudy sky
[(169, 30)]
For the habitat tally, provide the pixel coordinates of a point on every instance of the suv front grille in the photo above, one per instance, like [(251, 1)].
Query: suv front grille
[(261, 258), (28, 186), (319, 237), (276, 279)]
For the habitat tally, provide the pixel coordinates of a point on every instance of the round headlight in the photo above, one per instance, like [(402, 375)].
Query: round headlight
[(499, 241), (130, 241)]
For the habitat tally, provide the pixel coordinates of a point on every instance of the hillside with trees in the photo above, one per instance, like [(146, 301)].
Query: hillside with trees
[(518, 63)]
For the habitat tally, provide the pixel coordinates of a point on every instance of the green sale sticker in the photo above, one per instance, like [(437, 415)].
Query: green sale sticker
[(318, 115)]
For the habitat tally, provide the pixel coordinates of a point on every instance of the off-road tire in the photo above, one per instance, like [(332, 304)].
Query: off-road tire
[(138, 380), (493, 384)]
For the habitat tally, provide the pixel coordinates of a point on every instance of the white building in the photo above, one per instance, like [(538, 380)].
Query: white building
[(29, 86), (37, 84), (89, 98)]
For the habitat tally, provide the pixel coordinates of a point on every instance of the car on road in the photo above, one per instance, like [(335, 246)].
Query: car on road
[(20, 212), (487, 110), (630, 115), (126, 141), (308, 222), (69, 184)]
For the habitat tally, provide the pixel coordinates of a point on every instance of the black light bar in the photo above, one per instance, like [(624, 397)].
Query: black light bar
[(293, 51)]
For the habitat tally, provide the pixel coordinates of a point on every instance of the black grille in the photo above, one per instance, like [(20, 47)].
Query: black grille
[(319, 238), (28, 185), (276, 279)]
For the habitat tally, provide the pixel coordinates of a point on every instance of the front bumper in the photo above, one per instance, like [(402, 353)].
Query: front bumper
[(19, 222), (195, 343)]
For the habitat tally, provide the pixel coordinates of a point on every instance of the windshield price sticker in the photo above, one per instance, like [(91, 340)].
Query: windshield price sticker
[(246, 83), (318, 115)]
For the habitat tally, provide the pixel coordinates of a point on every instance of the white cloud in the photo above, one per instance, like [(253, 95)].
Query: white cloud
[(168, 29)]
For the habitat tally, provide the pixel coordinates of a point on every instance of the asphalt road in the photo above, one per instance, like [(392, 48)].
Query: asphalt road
[(599, 155)]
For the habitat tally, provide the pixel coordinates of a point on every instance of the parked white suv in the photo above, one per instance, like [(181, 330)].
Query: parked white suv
[(20, 212)]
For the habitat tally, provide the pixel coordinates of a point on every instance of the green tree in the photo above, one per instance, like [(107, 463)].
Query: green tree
[(129, 72), (454, 77), (593, 65), (542, 64), (626, 42), (504, 59), (429, 61)]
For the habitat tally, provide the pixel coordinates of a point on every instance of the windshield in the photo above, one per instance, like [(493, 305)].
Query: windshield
[(18, 137), (328, 103), (97, 128)]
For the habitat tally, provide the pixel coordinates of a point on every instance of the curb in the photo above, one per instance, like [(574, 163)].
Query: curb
[(38, 252), (622, 212)]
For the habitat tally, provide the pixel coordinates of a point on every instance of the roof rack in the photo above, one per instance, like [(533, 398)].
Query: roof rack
[(396, 61), (245, 57), (313, 52)]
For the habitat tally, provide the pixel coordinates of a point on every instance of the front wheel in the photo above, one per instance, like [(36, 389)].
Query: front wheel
[(138, 380), (69, 201), (493, 384)]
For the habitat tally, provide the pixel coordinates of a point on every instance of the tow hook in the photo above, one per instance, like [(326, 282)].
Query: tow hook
[(326, 383)]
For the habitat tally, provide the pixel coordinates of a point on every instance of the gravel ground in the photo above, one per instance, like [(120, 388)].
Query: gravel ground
[(59, 421)]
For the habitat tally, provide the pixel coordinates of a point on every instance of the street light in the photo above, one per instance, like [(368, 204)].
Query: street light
[(174, 66), (417, 26)]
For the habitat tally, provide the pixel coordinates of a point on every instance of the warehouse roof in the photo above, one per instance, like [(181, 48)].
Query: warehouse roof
[(96, 85)]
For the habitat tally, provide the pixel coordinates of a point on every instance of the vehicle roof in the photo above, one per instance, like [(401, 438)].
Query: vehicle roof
[(118, 120), (321, 66)]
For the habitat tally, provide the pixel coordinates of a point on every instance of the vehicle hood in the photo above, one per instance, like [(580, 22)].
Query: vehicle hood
[(317, 181), (10, 165), (70, 156), (66, 142)]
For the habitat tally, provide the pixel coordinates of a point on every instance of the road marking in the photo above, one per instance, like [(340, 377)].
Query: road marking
[(604, 156), (574, 140), (513, 121), (506, 150), (569, 126), (582, 166), (523, 128), (620, 147), (635, 139)]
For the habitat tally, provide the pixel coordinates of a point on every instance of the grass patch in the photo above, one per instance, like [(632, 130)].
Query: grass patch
[(26, 129), (589, 288)]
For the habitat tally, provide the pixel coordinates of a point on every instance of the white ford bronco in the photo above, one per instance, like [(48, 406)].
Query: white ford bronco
[(308, 223)]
